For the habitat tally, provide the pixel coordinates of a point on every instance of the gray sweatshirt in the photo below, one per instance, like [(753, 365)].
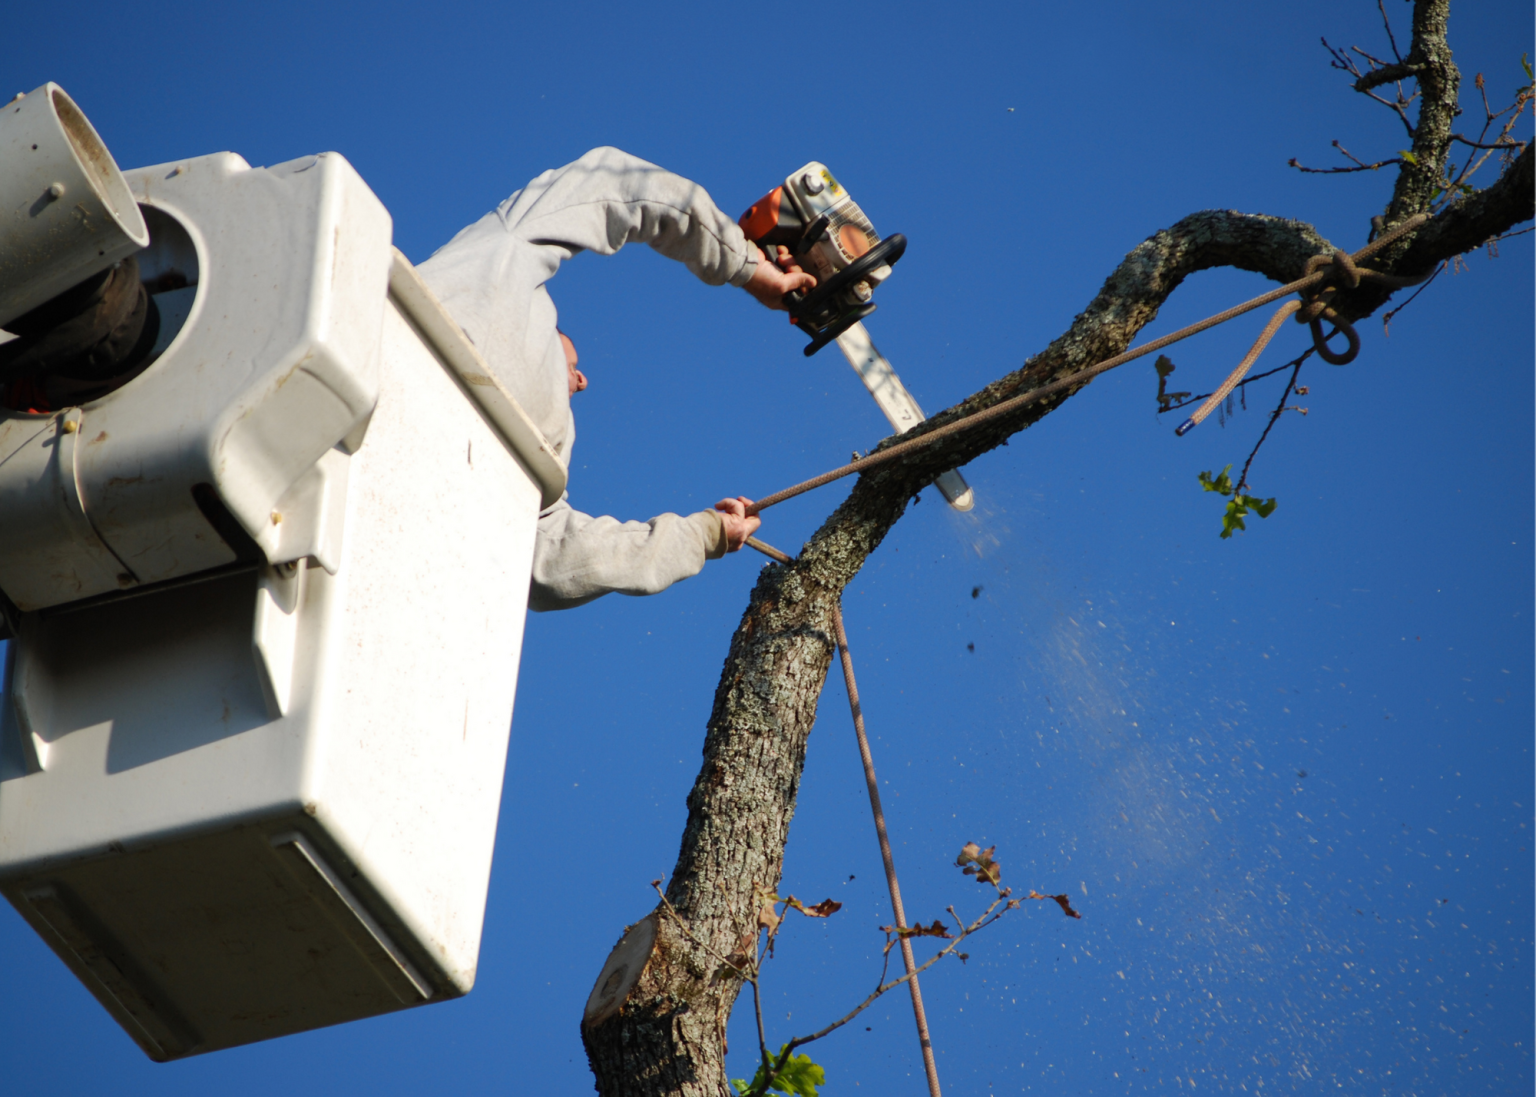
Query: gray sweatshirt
[(491, 278)]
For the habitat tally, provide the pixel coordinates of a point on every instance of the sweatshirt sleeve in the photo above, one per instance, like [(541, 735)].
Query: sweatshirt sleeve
[(577, 557), (491, 276), (608, 198)]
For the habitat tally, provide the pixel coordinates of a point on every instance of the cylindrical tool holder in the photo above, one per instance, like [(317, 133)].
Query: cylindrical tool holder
[(65, 210)]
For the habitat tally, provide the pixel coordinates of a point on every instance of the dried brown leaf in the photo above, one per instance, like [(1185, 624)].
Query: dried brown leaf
[(1063, 901), (978, 862), (824, 909), (938, 929)]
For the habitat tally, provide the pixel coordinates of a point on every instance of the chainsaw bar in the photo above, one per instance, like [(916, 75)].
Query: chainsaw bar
[(897, 403)]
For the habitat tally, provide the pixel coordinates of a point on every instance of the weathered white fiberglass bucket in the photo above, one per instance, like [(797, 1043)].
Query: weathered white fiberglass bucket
[(270, 600)]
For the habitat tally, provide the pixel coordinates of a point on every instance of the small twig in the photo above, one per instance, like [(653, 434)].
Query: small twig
[(985, 919), (772, 1068), (1383, 73), (688, 931), (774, 1065), (1492, 243), (1274, 417), (762, 1039), (749, 975), (1482, 87), (1456, 184), (1386, 320), (1342, 171), (1362, 165), (771, 1072), (1500, 143), (1379, 73), (1503, 142), (1355, 158), (1341, 60), (1392, 38), (1246, 381), (1377, 64)]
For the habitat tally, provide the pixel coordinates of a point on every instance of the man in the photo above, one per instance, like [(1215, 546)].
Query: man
[(492, 276)]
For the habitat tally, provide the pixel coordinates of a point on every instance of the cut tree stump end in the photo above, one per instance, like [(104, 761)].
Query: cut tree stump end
[(620, 973)]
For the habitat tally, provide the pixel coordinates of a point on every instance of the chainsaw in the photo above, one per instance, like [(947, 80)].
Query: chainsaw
[(828, 235)]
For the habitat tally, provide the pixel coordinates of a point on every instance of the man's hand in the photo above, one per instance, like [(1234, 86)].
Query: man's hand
[(777, 275), (739, 525)]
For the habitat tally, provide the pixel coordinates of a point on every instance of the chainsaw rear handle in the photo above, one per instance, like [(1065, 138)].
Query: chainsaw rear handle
[(818, 312), (885, 253)]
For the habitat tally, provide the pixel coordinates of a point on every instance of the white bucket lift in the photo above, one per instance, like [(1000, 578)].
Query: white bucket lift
[(269, 598)]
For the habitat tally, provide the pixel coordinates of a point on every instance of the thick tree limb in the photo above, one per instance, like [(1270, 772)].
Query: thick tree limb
[(1439, 84), (668, 1036), (1475, 219)]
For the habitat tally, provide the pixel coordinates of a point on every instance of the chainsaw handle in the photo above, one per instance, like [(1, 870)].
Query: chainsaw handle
[(886, 252), (817, 311)]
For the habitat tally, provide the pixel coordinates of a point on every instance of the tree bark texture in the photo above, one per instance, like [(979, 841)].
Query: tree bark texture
[(668, 1036), (1429, 56)]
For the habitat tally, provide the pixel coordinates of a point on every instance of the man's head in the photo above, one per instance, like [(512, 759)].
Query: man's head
[(577, 379)]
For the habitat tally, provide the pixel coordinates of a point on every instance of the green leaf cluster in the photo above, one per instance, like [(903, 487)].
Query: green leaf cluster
[(1222, 483), (799, 1077), (1238, 505)]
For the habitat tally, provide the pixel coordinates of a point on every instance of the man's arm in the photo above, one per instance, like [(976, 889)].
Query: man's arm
[(491, 275), (608, 198), (577, 557)]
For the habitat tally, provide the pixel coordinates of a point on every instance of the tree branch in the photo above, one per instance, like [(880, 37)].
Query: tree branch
[(1439, 84), (1388, 75), (754, 750), (765, 705), (666, 1037), (1462, 227)]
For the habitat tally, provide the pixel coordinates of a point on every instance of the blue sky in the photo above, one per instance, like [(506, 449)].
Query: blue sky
[(1287, 778)]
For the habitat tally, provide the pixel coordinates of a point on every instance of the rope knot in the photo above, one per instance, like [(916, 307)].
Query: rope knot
[(1344, 267), (1315, 307), (1320, 341)]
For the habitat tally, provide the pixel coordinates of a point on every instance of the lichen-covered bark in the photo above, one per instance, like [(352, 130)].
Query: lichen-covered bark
[(667, 1039), (1471, 221), (1429, 60)]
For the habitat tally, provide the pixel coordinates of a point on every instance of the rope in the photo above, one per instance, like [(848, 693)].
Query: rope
[(1313, 311), (1339, 264), (907, 958), (1213, 401)]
